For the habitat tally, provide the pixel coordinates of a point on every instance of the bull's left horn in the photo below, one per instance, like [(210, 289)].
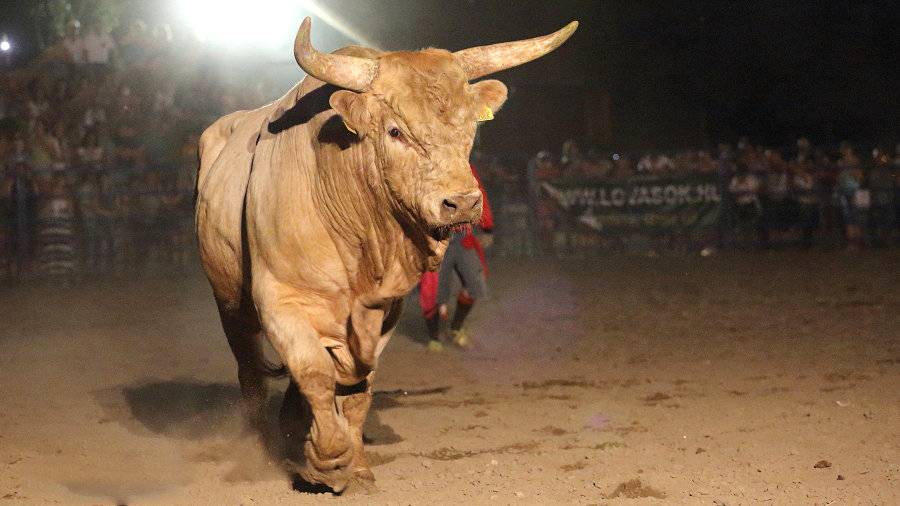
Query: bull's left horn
[(483, 60), (349, 72)]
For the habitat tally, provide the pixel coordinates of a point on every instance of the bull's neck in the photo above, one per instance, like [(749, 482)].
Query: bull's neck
[(371, 232)]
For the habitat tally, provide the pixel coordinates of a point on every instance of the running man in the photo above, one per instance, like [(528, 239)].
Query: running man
[(464, 264)]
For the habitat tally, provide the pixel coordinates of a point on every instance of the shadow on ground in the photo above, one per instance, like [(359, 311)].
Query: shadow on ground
[(183, 408), (189, 409)]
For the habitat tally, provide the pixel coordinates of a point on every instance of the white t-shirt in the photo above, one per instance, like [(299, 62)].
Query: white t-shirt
[(97, 47), (75, 48)]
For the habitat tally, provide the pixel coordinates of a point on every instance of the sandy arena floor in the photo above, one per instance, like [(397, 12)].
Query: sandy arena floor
[(737, 379)]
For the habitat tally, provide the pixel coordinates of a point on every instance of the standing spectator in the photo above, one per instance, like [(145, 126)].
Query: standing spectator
[(98, 46), (775, 205), (895, 170), (74, 43), (46, 150), (804, 150), (542, 170), (175, 223), (725, 171), (806, 199), (881, 186), (23, 199), (744, 188), (95, 224), (133, 45), (6, 225), (853, 198), (571, 157), (56, 255), (120, 229), (148, 236), (90, 153)]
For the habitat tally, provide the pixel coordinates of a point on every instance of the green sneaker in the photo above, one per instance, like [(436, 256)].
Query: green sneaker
[(435, 346), (461, 338)]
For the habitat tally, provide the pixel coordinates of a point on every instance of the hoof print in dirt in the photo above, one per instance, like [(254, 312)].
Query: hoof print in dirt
[(822, 464), (634, 489)]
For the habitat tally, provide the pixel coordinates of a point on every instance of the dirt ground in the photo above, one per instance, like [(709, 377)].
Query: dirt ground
[(736, 379)]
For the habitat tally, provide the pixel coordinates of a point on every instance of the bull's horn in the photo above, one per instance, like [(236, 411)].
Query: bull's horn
[(349, 72), (483, 60)]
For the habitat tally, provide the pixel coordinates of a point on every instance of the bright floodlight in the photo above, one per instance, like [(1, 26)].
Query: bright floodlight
[(5, 45), (257, 24)]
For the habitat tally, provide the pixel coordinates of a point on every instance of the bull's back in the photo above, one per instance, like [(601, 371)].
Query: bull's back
[(226, 156)]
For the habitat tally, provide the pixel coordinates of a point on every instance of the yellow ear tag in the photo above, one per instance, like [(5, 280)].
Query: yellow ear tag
[(348, 128), (486, 114)]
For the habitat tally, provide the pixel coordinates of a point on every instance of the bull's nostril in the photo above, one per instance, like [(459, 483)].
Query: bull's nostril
[(449, 204)]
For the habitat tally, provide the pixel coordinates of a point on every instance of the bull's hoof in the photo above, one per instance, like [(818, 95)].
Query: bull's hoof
[(334, 472), (316, 481), (335, 479), (364, 474), (362, 483)]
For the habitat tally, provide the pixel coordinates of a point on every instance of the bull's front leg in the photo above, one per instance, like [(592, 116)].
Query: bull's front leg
[(328, 449), (372, 329), (355, 407)]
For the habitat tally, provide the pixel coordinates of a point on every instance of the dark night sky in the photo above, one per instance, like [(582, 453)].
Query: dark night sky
[(678, 73)]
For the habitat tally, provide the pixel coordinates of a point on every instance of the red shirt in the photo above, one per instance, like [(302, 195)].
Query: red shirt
[(469, 241), (487, 217)]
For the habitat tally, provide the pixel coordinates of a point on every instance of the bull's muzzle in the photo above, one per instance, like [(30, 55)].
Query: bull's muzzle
[(461, 208)]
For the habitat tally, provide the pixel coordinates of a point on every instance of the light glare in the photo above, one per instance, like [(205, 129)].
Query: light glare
[(261, 24)]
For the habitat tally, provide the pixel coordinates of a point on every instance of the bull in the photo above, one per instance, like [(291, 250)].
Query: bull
[(318, 212)]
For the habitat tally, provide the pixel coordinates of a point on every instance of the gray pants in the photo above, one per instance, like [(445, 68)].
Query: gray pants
[(460, 265)]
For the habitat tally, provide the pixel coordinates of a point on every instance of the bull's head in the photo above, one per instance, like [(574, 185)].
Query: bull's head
[(420, 113)]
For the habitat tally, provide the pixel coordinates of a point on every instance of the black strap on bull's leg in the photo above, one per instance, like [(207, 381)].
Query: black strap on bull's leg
[(351, 389)]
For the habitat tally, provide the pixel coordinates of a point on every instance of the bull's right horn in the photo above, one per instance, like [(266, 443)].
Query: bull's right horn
[(483, 60), (350, 72)]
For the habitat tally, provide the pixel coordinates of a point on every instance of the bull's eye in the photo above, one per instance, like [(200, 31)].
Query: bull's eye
[(395, 132)]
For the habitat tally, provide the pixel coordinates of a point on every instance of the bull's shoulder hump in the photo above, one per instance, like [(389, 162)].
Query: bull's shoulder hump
[(239, 127)]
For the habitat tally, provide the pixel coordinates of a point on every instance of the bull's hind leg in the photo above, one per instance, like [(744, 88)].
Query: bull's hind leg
[(242, 329)]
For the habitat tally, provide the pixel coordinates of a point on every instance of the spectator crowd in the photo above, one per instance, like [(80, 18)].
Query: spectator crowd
[(804, 194), (98, 153), (98, 150)]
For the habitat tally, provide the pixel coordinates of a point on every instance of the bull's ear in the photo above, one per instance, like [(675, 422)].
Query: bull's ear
[(490, 94), (352, 108)]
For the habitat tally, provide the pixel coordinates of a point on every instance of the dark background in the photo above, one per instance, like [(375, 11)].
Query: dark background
[(649, 75)]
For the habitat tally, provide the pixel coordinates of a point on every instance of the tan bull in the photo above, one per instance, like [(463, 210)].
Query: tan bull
[(317, 213)]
